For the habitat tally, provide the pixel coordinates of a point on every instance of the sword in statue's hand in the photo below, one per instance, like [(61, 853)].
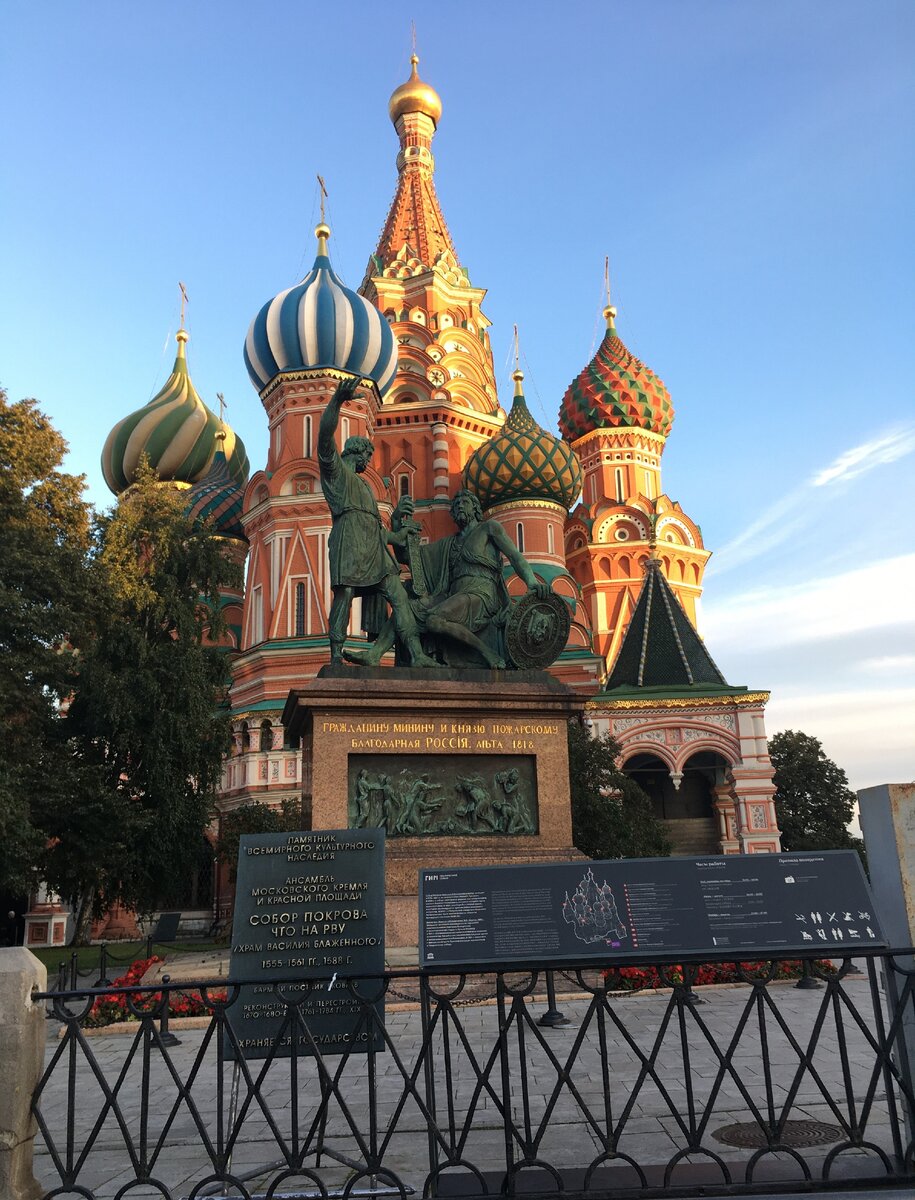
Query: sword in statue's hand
[(403, 518)]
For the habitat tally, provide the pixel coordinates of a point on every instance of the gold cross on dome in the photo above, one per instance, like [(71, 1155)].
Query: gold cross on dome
[(323, 188), (183, 290), (222, 406)]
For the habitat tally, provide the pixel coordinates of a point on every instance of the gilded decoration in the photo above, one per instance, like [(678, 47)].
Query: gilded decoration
[(741, 698)]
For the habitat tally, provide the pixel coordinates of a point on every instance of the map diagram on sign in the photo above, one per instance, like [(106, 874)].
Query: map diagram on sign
[(591, 911)]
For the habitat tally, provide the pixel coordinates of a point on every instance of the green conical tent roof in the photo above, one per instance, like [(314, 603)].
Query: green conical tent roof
[(661, 648)]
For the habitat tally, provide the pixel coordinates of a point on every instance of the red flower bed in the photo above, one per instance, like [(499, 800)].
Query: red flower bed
[(113, 1007), (636, 979)]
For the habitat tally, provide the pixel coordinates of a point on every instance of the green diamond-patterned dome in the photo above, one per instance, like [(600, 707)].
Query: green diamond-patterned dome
[(523, 462), (615, 389)]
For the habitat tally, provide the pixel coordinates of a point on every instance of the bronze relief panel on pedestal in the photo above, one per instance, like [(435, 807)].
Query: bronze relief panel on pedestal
[(443, 795)]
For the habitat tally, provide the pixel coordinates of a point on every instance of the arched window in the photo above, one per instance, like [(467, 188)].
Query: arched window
[(618, 483), (266, 736), (245, 738), (300, 610), (549, 538), (306, 439), (520, 533), (403, 485)]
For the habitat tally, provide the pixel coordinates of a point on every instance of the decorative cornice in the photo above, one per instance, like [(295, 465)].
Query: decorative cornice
[(623, 435), (550, 505), (742, 698), (317, 373)]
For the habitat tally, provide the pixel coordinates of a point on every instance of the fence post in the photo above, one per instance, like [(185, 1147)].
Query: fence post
[(888, 825), (22, 1036)]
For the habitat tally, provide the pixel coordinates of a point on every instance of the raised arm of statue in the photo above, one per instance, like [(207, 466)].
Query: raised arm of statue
[(346, 389), (520, 565)]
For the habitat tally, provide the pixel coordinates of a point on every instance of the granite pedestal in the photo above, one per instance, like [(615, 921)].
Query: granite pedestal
[(445, 741)]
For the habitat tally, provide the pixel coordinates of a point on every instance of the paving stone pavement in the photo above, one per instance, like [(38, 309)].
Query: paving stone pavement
[(568, 1121)]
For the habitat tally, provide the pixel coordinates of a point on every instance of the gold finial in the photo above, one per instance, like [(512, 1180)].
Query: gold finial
[(181, 336), (610, 310), (322, 229), (415, 96), (517, 374)]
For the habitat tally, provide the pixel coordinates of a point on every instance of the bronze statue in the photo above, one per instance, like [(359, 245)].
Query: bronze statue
[(360, 563), (462, 594)]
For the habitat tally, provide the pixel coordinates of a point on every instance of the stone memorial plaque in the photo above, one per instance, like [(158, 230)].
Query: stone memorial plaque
[(166, 929), (445, 795), (307, 906), (751, 904)]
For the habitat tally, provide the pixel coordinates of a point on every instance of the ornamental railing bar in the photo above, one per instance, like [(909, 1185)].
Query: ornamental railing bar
[(469, 1097)]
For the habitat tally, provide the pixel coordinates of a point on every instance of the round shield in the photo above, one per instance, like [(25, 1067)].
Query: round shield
[(536, 631)]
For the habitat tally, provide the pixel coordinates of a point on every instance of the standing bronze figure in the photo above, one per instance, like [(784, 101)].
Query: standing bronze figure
[(360, 563)]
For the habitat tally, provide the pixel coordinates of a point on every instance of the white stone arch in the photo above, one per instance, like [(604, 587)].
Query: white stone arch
[(634, 742), (681, 525), (633, 518), (716, 741)]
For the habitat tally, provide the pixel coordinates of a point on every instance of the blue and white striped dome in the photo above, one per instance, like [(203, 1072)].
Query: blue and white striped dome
[(319, 323)]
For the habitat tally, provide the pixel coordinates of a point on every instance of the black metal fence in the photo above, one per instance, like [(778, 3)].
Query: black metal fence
[(111, 962), (761, 1088)]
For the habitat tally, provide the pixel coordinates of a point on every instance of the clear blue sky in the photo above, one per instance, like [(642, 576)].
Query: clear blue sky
[(749, 169)]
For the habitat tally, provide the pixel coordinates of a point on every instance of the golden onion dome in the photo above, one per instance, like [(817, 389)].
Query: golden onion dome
[(415, 96)]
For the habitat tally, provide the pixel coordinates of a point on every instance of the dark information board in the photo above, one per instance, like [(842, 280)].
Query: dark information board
[(640, 907), (307, 906)]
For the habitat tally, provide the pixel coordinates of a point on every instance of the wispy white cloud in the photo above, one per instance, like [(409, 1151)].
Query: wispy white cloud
[(886, 448), (869, 733), (892, 663), (851, 602), (838, 654), (799, 508)]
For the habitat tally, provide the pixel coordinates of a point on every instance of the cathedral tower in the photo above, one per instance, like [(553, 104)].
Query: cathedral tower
[(442, 404), (299, 346), (617, 414)]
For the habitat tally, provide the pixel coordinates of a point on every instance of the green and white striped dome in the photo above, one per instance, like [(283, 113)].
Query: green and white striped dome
[(177, 433)]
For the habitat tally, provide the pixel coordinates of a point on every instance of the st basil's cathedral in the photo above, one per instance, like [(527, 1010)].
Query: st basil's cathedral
[(587, 508)]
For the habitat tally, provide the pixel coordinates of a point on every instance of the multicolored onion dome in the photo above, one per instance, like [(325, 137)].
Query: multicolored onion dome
[(217, 499), (615, 389), (317, 324), (523, 462), (415, 96), (177, 433)]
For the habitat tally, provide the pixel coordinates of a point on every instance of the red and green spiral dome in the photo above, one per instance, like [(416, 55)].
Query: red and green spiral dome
[(615, 390)]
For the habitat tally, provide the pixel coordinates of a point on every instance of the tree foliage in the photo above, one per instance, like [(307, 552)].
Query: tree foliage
[(254, 818), (611, 816), (48, 605), (813, 801), (109, 689), (147, 724)]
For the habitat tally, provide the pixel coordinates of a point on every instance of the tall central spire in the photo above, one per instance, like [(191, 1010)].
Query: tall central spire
[(415, 227), (414, 278)]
